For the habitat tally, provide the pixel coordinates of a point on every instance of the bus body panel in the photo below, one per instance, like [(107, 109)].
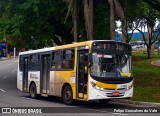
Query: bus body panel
[(124, 90), (52, 82), (19, 80), (34, 76), (59, 78)]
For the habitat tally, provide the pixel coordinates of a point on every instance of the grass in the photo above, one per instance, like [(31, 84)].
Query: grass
[(146, 78)]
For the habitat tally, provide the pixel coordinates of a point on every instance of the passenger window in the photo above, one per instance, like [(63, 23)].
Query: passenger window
[(57, 60), (63, 60), (20, 63), (68, 59), (57, 55), (34, 58)]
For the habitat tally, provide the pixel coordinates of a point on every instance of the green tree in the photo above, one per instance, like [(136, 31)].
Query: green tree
[(73, 8), (88, 15), (127, 15), (35, 23), (153, 3), (101, 29), (112, 19), (148, 19)]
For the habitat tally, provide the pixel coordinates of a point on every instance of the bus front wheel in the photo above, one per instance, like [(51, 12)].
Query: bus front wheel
[(33, 91), (67, 95)]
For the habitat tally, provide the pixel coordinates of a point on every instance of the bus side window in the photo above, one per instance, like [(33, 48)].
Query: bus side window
[(34, 64), (57, 60), (20, 63), (34, 58), (68, 59), (53, 61)]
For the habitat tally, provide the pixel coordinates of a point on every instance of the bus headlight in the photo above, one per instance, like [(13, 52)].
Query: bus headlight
[(129, 87), (95, 86)]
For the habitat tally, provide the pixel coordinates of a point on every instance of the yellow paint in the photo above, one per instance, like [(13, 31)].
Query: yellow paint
[(85, 96), (63, 77), (80, 95), (86, 43), (125, 74), (106, 86)]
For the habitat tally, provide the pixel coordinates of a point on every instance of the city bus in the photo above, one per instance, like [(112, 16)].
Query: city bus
[(90, 70)]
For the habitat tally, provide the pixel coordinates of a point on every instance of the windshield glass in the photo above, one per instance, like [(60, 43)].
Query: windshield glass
[(108, 58)]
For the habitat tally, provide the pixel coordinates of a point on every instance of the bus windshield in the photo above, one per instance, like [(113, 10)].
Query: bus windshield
[(108, 58)]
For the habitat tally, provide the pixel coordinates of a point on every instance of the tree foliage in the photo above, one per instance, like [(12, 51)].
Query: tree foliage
[(38, 23), (35, 23), (149, 20), (155, 4)]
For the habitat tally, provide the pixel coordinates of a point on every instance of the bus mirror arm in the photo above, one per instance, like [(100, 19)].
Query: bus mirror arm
[(90, 57), (90, 60), (90, 64)]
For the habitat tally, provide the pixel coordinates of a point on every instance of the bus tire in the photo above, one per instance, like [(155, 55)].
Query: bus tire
[(67, 95), (33, 91), (104, 101)]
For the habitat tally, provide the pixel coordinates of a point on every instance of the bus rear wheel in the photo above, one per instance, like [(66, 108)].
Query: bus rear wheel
[(67, 95), (33, 91)]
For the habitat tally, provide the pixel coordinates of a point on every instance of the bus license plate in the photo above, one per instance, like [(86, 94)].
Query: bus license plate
[(115, 93)]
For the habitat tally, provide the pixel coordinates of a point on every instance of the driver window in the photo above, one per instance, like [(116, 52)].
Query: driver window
[(107, 63)]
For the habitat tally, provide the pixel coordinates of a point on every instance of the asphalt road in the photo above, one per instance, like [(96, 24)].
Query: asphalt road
[(10, 96)]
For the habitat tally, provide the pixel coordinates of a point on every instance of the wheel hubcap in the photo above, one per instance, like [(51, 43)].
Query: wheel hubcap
[(68, 95)]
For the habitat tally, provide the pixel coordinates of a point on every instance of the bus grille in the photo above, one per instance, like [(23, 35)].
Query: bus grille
[(121, 89), (110, 94)]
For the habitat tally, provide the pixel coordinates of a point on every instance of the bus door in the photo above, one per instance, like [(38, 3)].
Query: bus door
[(82, 74), (25, 73), (45, 67)]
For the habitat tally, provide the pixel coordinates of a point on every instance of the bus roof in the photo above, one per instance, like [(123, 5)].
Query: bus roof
[(75, 44), (37, 51)]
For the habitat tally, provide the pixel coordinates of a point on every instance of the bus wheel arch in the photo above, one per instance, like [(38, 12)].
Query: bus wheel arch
[(33, 90), (67, 94)]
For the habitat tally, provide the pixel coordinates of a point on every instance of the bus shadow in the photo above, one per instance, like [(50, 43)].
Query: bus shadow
[(47, 99), (98, 105), (83, 104)]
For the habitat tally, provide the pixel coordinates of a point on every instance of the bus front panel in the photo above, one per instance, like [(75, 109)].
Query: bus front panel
[(111, 75)]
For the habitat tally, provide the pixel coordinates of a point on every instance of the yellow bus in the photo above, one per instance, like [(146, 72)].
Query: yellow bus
[(90, 70)]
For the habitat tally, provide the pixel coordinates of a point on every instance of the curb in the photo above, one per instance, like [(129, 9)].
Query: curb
[(151, 104), (5, 59)]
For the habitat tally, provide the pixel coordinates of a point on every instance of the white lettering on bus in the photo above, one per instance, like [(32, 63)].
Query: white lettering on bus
[(33, 76)]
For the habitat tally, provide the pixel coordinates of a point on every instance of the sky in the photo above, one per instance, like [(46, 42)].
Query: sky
[(118, 24)]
